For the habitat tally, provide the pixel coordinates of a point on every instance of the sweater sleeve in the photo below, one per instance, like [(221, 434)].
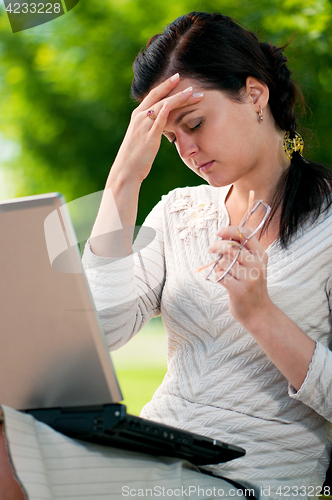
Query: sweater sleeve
[(127, 291), (316, 390)]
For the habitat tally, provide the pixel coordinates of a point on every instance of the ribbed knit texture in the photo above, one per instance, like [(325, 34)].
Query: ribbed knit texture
[(219, 382)]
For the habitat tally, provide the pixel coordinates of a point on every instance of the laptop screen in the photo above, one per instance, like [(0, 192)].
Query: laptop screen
[(52, 349)]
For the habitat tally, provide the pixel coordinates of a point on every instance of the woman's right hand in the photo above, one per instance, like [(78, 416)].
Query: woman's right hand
[(133, 163), (143, 137)]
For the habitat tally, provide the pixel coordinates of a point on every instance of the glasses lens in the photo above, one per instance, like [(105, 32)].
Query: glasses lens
[(212, 276), (252, 222), (254, 218)]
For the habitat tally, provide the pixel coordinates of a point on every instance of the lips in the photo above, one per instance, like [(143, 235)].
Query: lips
[(204, 167)]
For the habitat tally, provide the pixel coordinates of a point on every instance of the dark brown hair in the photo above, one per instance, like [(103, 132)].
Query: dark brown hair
[(221, 54)]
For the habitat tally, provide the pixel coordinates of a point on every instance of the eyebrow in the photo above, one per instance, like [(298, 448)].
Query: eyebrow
[(180, 118)]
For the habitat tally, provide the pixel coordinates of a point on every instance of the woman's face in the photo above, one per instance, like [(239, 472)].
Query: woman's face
[(219, 139)]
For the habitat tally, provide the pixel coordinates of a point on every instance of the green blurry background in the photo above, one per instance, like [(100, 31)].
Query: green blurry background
[(65, 106)]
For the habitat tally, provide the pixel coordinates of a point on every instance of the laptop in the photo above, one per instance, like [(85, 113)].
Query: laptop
[(54, 362)]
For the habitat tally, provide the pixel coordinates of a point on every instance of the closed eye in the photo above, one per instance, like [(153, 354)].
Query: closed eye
[(191, 129), (197, 126)]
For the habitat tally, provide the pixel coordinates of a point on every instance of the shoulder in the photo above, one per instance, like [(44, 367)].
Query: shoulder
[(319, 225), (313, 240)]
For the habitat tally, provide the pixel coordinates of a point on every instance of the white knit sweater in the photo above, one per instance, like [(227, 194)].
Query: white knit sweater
[(219, 382)]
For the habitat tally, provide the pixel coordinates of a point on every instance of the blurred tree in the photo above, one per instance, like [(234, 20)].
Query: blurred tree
[(65, 88)]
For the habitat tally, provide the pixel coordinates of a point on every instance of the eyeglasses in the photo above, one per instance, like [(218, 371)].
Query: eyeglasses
[(252, 221)]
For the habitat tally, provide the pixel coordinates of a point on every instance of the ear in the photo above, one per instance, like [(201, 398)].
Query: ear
[(257, 92)]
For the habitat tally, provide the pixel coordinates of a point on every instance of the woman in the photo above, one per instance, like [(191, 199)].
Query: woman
[(248, 357)]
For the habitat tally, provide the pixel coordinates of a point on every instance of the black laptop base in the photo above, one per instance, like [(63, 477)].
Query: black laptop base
[(110, 425)]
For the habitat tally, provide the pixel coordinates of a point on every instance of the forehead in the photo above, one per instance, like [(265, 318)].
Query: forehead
[(211, 103), (212, 99), (212, 96)]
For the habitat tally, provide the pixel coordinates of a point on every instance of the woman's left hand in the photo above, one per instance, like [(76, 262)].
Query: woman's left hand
[(287, 346), (246, 282)]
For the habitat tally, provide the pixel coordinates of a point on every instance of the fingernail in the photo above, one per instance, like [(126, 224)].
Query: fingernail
[(188, 90), (175, 77), (198, 94)]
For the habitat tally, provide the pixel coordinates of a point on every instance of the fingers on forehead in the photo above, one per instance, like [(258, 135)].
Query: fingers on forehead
[(177, 100), (162, 90)]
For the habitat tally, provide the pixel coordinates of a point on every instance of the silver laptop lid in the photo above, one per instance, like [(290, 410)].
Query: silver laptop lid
[(52, 349)]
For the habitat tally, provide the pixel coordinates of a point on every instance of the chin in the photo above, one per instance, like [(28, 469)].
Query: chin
[(215, 183)]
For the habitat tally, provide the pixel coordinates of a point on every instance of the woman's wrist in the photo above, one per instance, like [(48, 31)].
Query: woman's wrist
[(260, 317), (120, 179), (113, 230)]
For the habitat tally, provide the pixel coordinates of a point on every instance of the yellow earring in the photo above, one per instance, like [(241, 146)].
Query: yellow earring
[(291, 146)]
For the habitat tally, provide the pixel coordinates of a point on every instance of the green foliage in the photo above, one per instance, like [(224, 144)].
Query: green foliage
[(141, 365), (138, 386), (65, 88)]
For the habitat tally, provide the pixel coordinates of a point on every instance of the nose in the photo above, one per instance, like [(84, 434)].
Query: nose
[(187, 148)]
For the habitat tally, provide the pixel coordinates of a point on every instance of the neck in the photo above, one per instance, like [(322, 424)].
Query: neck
[(264, 179)]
